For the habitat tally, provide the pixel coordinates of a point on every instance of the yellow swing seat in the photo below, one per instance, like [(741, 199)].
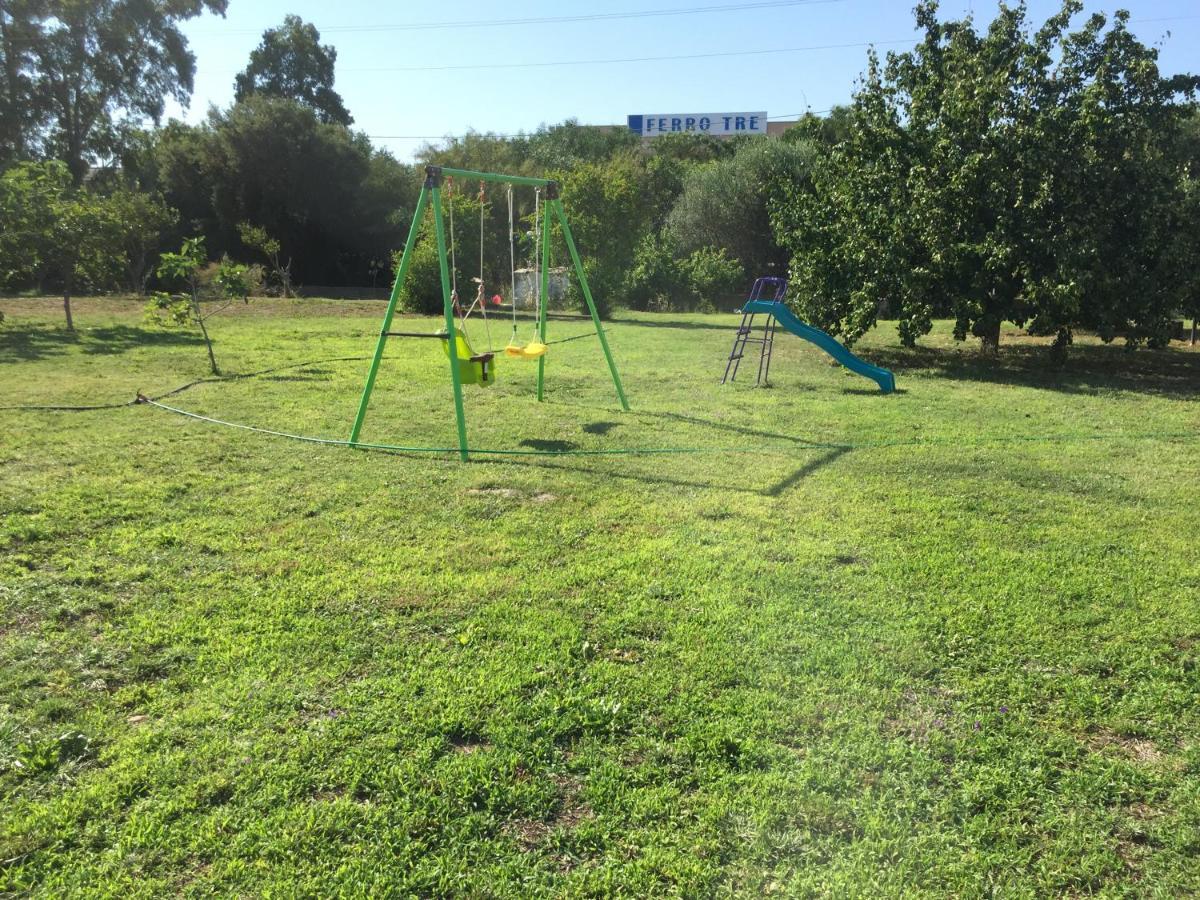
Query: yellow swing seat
[(532, 350), (473, 368)]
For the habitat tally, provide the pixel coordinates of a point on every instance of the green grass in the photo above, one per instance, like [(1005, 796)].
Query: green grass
[(944, 642)]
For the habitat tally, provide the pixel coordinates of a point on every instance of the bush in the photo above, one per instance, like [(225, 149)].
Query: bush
[(606, 282), (422, 288), (655, 278), (711, 274), (660, 281)]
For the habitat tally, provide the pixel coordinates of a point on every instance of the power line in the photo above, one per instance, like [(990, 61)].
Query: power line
[(632, 59), (686, 56), (558, 20)]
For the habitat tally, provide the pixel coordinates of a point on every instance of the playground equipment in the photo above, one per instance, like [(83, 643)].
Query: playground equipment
[(466, 366), (766, 298)]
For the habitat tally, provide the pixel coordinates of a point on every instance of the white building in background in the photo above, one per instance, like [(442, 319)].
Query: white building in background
[(527, 286)]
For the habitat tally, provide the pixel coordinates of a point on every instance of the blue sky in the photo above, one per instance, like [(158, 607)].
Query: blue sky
[(397, 106)]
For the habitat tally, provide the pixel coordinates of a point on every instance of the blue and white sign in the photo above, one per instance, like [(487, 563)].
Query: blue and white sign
[(717, 124)]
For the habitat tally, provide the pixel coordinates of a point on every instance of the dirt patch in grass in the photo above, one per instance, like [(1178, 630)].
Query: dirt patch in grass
[(511, 494), (506, 493), (1136, 749), (568, 813), (920, 714)]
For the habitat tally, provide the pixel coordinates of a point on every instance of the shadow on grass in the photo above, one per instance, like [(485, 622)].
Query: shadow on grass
[(676, 324), (740, 429), (311, 376), (600, 428), (661, 479), (785, 484), (872, 392), (1087, 369), (548, 446), (33, 343)]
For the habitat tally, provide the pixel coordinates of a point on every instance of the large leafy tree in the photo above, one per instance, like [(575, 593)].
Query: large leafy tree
[(56, 233), (292, 63), (85, 71), (1006, 175), (1185, 245), (29, 193), (20, 107), (337, 207), (311, 185)]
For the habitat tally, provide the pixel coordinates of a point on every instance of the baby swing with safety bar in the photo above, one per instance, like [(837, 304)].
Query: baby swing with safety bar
[(466, 366)]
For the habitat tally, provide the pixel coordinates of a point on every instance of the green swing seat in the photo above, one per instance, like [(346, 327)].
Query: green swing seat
[(473, 368)]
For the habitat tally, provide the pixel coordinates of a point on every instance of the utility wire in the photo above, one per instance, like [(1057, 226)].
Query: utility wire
[(633, 59), (559, 20)]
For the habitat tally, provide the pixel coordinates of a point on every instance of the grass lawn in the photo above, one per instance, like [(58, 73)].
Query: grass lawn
[(944, 642)]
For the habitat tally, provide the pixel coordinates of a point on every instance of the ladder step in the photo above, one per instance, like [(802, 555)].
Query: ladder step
[(736, 356)]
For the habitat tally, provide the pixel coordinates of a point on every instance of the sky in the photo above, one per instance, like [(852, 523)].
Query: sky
[(406, 86)]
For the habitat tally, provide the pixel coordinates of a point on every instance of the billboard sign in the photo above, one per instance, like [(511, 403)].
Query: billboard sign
[(651, 125)]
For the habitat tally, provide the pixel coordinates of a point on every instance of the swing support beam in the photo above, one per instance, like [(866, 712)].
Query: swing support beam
[(431, 196)]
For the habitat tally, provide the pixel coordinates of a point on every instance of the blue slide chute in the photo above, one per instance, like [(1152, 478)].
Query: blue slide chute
[(882, 377)]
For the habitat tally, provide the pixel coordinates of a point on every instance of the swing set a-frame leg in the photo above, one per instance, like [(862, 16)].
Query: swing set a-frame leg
[(431, 194), (557, 206), (405, 262), (448, 307), (544, 293)]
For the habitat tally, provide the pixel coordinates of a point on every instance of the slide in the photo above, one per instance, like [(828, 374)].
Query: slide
[(882, 377)]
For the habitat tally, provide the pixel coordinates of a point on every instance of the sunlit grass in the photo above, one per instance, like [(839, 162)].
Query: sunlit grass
[(942, 642)]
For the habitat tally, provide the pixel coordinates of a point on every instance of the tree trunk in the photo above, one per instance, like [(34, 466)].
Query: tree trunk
[(67, 306), (135, 269), (1195, 321), (989, 335), (212, 360)]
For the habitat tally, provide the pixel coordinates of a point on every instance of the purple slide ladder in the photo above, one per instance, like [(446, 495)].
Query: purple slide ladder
[(769, 289)]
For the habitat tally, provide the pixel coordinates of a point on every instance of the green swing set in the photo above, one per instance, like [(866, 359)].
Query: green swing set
[(466, 366)]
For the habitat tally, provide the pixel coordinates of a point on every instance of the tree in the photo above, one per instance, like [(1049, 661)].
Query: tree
[(827, 130), (724, 204), (85, 245), (1006, 175), (29, 194), (141, 221), (19, 106), (569, 144), (273, 163), (92, 70), (54, 231), (292, 63), (230, 284), (606, 206), (258, 239), (660, 279), (1185, 246)]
